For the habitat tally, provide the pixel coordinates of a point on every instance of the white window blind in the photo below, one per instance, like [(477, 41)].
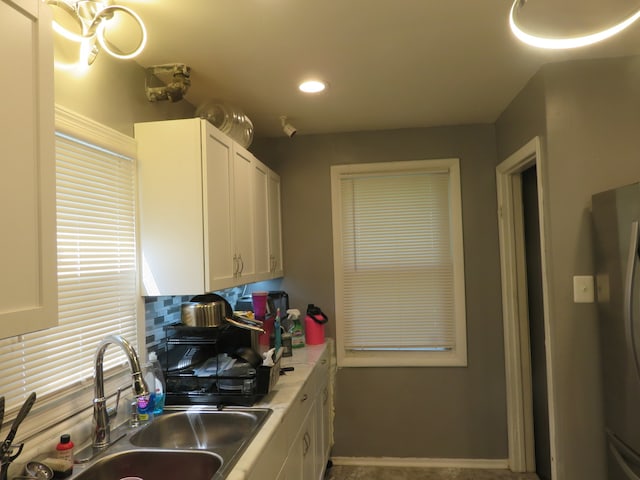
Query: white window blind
[(398, 264), (95, 189)]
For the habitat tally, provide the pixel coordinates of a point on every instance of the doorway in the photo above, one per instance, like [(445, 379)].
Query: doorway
[(535, 313), (529, 373)]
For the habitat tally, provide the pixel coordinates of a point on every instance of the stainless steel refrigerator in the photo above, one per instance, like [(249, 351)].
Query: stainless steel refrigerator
[(616, 214)]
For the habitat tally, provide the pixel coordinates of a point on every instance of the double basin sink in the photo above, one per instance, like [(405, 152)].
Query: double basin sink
[(195, 443)]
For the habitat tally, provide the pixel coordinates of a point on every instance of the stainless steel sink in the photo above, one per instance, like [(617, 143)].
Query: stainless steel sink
[(198, 430), (154, 464), (196, 443)]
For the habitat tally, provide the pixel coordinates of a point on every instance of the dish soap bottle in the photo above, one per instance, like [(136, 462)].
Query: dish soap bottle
[(155, 381), (145, 408)]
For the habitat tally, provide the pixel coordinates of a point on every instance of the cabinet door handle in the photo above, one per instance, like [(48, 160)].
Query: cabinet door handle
[(631, 325), (306, 444), (241, 264), (235, 265)]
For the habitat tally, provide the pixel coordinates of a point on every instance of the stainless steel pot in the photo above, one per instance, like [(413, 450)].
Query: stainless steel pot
[(212, 310)]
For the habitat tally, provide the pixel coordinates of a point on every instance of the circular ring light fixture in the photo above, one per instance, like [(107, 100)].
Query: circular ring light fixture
[(105, 44), (564, 42), (91, 18)]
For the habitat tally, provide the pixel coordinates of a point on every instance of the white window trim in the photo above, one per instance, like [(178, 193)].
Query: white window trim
[(456, 357)]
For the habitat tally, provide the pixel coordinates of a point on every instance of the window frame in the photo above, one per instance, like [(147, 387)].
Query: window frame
[(458, 355)]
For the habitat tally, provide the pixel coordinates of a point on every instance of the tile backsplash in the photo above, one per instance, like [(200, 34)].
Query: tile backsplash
[(162, 311), (159, 312)]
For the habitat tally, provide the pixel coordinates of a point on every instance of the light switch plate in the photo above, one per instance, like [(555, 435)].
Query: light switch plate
[(583, 289)]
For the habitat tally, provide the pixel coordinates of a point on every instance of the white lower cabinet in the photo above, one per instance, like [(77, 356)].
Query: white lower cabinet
[(299, 449), (272, 459), (305, 460)]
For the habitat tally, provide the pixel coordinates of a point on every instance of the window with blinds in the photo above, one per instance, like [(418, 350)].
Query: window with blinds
[(95, 200), (399, 264)]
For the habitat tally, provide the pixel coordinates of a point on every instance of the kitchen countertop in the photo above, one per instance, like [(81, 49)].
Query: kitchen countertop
[(279, 400)]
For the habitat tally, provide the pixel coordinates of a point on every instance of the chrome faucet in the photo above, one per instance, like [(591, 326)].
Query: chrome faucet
[(101, 415)]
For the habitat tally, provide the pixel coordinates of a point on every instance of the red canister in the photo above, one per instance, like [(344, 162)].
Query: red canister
[(314, 325)]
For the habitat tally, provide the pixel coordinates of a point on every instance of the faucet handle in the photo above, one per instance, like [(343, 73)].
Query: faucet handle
[(113, 411), (134, 420)]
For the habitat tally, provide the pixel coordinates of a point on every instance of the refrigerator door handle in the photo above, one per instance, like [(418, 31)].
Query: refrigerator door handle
[(630, 327), (620, 451)]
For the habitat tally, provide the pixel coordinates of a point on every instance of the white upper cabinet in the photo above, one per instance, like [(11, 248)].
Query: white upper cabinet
[(198, 209), (28, 277)]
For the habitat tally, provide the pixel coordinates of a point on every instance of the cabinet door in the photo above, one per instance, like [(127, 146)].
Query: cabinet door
[(269, 464), (308, 441), (275, 226), (299, 463), (323, 431), (326, 420), (244, 214), (219, 221), (28, 277), (292, 468), (260, 183)]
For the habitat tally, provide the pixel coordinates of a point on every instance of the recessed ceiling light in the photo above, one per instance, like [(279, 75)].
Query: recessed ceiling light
[(312, 86)]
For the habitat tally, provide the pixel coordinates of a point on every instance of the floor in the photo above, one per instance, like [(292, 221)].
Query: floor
[(343, 472)]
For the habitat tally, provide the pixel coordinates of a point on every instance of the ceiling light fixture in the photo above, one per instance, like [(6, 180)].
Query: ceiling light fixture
[(564, 42), (312, 86), (90, 18)]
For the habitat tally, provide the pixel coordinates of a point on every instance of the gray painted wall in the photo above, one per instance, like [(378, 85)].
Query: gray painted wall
[(403, 412), (112, 92), (588, 116)]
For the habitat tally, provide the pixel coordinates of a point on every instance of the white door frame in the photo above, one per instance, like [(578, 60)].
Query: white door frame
[(515, 308)]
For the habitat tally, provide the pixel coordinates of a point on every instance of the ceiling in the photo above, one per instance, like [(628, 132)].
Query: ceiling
[(389, 63)]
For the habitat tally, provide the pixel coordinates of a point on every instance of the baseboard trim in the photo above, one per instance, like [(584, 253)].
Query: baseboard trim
[(423, 462)]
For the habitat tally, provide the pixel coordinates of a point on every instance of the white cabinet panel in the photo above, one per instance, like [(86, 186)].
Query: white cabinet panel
[(28, 277), (170, 178), (262, 221), (243, 164), (219, 220), (276, 266)]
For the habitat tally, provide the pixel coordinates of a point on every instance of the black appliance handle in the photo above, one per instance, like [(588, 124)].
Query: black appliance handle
[(629, 287)]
